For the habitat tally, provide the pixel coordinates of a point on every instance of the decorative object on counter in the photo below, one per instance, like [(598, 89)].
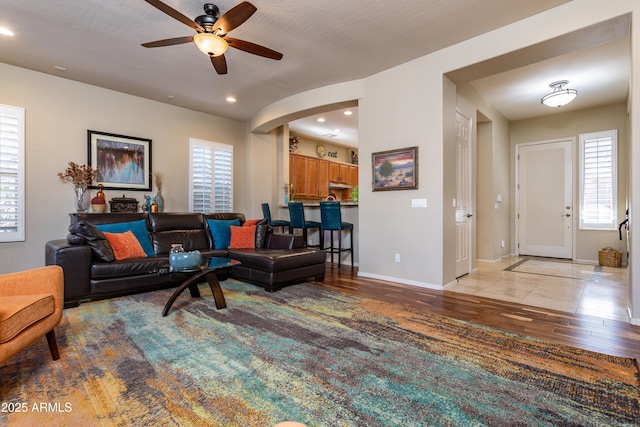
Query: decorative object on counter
[(395, 169), (354, 194), (99, 203), (159, 199), (292, 192), (293, 144), (81, 176), (123, 162), (146, 205), (354, 158), (285, 188), (123, 204)]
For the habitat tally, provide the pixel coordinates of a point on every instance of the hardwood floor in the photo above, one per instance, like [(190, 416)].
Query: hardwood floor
[(588, 332)]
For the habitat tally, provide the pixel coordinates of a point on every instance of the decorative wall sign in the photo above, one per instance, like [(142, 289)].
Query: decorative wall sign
[(395, 169), (123, 162)]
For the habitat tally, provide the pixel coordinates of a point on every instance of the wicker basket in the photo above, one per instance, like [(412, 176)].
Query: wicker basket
[(610, 257)]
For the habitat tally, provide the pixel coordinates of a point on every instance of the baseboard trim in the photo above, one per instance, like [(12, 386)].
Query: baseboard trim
[(401, 281)]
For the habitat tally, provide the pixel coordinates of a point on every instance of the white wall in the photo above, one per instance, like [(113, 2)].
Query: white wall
[(58, 114)]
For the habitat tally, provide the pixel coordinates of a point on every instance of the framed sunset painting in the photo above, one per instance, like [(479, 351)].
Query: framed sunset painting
[(395, 169)]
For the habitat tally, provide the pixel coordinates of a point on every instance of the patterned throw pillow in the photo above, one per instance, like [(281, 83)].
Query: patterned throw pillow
[(125, 245), (243, 237)]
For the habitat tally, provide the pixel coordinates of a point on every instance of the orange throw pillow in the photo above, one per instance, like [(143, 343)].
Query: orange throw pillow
[(243, 237), (250, 222), (125, 245)]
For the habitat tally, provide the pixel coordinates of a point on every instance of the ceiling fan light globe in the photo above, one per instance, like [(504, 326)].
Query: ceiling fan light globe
[(210, 44)]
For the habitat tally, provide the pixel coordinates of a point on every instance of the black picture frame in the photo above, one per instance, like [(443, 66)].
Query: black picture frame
[(123, 162)]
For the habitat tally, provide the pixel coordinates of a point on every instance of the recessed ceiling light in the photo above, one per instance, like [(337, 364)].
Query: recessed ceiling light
[(321, 120), (6, 32), (348, 113), (170, 97), (59, 68), (336, 130), (231, 99)]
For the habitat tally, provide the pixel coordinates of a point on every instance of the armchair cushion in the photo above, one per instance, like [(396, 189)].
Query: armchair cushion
[(18, 312)]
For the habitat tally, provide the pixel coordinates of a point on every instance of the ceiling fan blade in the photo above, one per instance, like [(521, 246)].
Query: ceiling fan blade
[(169, 42), (175, 14), (256, 49), (234, 17), (219, 63)]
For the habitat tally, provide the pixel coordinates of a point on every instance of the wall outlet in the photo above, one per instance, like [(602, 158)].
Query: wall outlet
[(502, 243), (397, 257)]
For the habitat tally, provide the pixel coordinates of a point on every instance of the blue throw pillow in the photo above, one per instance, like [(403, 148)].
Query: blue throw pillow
[(221, 231), (138, 228)]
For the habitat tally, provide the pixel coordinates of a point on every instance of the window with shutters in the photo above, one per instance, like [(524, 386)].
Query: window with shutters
[(598, 180), (11, 174), (211, 176)]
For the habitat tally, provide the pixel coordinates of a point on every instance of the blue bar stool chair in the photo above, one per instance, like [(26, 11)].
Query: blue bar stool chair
[(266, 212), (331, 218), (296, 217)]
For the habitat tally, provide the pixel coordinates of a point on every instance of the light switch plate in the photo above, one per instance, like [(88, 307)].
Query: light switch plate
[(418, 203)]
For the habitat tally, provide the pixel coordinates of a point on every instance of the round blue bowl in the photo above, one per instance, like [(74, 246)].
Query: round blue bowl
[(185, 260)]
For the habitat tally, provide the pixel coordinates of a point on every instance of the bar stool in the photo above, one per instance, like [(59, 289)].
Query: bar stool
[(296, 217), (266, 212), (331, 218)]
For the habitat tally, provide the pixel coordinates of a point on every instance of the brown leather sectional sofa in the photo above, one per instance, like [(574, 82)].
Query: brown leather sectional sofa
[(278, 259)]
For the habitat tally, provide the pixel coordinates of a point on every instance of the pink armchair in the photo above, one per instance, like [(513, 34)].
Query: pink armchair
[(31, 304)]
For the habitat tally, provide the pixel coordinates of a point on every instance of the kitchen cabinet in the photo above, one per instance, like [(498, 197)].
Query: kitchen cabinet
[(309, 176), (353, 176)]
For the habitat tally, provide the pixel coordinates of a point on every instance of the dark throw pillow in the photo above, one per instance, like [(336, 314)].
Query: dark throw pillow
[(84, 232)]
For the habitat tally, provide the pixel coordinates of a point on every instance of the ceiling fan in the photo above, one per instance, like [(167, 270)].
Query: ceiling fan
[(211, 37)]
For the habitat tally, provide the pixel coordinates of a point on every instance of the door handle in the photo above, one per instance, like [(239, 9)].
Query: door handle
[(468, 215)]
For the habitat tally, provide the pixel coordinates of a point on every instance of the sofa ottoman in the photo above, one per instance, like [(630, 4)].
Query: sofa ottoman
[(275, 268)]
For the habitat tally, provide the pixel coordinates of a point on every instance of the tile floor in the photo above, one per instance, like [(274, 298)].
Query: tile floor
[(553, 284)]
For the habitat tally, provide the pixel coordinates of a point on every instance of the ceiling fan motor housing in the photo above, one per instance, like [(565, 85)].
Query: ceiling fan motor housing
[(211, 16)]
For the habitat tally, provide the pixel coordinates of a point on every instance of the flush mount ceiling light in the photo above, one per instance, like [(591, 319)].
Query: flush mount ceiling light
[(210, 44), (559, 96)]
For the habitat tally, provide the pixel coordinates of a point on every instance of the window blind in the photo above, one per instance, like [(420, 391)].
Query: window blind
[(211, 177), (598, 189), (11, 174)]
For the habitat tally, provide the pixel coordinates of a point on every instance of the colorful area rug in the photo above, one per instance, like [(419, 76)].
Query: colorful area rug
[(306, 354)]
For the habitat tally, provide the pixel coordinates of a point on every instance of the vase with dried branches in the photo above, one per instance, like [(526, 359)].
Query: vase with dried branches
[(159, 199), (81, 176)]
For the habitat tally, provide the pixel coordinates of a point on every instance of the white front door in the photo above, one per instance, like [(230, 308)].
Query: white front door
[(464, 214), (545, 199)]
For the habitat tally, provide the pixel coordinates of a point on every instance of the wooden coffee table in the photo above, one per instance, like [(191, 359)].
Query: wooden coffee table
[(207, 270)]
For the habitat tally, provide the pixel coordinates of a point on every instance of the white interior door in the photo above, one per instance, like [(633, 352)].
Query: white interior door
[(545, 199), (464, 214)]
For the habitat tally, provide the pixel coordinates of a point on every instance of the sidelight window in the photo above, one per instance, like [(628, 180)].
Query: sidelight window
[(598, 180)]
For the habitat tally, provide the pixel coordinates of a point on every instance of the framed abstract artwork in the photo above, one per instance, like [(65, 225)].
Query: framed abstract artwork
[(395, 169), (123, 162)]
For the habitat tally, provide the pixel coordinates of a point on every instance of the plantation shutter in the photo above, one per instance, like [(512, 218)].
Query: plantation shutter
[(211, 177), (11, 174), (598, 180)]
